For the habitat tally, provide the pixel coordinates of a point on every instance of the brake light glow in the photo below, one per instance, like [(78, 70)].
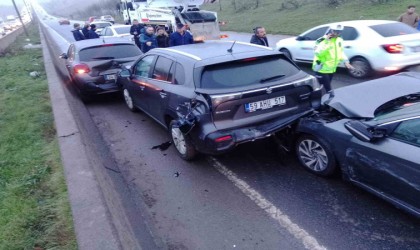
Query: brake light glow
[(249, 59), (223, 138), (393, 48), (81, 68)]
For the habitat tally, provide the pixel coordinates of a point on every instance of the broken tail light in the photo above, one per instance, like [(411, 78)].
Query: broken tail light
[(393, 48), (223, 139), (81, 68)]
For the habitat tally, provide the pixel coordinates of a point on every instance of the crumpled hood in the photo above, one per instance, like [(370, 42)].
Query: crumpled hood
[(362, 99)]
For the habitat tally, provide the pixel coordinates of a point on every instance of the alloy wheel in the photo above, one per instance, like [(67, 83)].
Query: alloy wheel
[(313, 155)]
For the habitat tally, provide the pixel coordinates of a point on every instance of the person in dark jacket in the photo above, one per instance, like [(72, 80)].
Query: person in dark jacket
[(85, 30), (148, 40), (77, 33), (259, 37), (162, 38), (92, 32), (181, 36), (136, 30)]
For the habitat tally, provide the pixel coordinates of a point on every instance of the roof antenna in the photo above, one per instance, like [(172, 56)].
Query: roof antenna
[(231, 48)]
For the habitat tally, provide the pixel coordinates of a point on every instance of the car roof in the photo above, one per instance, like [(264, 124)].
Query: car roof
[(363, 99), (100, 41), (100, 22), (360, 22), (119, 25)]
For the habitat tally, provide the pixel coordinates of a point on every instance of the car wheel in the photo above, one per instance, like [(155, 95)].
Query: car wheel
[(287, 53), (315, 155), (128, 100), (361, 66), (182, 142)]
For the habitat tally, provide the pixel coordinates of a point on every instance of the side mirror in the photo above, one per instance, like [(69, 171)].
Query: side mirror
[(63, 56), (125, 73), (363, 132)]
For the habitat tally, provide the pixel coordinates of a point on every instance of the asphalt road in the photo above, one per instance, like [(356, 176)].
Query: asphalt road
[(251, 198)]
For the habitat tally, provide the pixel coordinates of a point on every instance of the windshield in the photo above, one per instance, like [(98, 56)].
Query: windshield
[(393, 29), (400, 106), (247, 72), (108, 52), (123, 30)]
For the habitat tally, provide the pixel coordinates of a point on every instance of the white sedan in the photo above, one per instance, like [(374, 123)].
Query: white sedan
[(117, 31), (371, 45)]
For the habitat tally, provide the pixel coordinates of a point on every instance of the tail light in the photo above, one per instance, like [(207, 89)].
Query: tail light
[(223, 139), (393, 48), (81, 68)]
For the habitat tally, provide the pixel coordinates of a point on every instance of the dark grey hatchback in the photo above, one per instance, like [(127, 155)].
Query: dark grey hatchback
[(216, 95)]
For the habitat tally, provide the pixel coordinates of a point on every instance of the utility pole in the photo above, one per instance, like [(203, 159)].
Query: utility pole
[(20, 18)]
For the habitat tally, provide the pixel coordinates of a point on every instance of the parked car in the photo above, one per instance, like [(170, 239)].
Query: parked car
[(93, 64), (117, 31), (63, 21), (92, 18), (100, 25), (216, 95), (371, 134), (371, 45), (7, 27), (107, 18)]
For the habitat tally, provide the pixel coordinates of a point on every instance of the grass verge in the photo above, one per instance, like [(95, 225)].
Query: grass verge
[(34, 207)]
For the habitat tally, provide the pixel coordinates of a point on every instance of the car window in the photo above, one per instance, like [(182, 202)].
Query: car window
[(70, 53), (247, 72), (349, 34), (143, 67), (109, 32), (123, 30), (102, 25), (315, 34), (179, 74), (162, 70), (109, 51), (408, 131), (393, 29)]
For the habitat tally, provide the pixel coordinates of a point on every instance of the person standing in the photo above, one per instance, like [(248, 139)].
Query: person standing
[(148, 40), (180, 37), (92, 32), (77, 32), (162, 38), (410, 17), (329, 53), (259, 37), (136, 30), (85, 30)]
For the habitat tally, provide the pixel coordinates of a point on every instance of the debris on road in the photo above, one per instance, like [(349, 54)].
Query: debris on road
[(164, 146), (34, 74)]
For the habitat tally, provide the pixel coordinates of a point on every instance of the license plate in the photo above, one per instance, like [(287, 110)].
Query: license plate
[(265, 104), (110, 77)]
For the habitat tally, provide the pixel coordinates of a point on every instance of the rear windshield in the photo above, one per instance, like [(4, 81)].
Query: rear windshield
[(108, 52), (123, 30), (247, 72), (393, 29)]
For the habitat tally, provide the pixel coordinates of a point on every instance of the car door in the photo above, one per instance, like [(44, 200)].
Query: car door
[(305, 44), (350, 35), (140, 79), (392, 165)]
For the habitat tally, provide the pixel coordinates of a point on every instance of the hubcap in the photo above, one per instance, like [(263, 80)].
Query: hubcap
[(313, 155), (179, 140), (128, 99), (360, 69)]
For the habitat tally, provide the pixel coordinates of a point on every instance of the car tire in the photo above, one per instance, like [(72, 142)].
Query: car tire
[(362, 68), (315, 155), (129, 100), (287, 53), (182, 143)]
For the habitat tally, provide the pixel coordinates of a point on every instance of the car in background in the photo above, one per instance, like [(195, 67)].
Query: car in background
[(7, 27), (64, 21), (107, 18), (371, 132), (216, 95), (100, 25), (93, 64), (2, 31), (92, 18), (371, 45), (117, 31)]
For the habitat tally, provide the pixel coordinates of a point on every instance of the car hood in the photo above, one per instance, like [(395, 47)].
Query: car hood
[(362, 99)]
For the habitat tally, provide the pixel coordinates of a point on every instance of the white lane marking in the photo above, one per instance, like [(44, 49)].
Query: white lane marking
[(307, 240)]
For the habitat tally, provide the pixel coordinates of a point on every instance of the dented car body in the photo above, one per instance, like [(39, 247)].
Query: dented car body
[(216, 95), (372, 134)]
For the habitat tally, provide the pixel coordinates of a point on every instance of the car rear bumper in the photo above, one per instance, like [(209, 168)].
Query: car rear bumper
[(92, 87)]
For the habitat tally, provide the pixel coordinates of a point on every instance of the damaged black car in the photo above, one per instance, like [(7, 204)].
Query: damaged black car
[(215, 95), (371, 133)]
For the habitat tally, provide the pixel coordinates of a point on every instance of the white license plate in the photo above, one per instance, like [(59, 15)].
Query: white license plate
[(265, 104), (110, 77)]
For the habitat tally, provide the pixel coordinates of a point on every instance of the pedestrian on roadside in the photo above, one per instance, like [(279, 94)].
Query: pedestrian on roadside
[(92, 32), (180, 37), (77, 32), (410, 17), (85, 30), (329, 53), (162, 38), (259, 37), (148, 40), (136, 30)]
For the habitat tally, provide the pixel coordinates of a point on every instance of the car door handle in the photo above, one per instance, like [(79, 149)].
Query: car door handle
[(347, 47), (163, 94)]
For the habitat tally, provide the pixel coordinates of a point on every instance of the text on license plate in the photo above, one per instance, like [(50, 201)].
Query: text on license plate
[(265, 104), (110, 77)]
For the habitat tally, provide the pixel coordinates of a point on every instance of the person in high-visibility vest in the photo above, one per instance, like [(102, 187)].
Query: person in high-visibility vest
[(329, 53)]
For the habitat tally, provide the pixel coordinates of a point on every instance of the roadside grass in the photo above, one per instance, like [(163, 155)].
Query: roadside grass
[(34, 207), (295, 21)]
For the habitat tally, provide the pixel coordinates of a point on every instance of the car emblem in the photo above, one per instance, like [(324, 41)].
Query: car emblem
[(269, 90)]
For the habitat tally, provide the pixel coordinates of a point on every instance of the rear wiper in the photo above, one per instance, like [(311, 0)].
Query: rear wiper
[(103, 58), (271, 78)]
